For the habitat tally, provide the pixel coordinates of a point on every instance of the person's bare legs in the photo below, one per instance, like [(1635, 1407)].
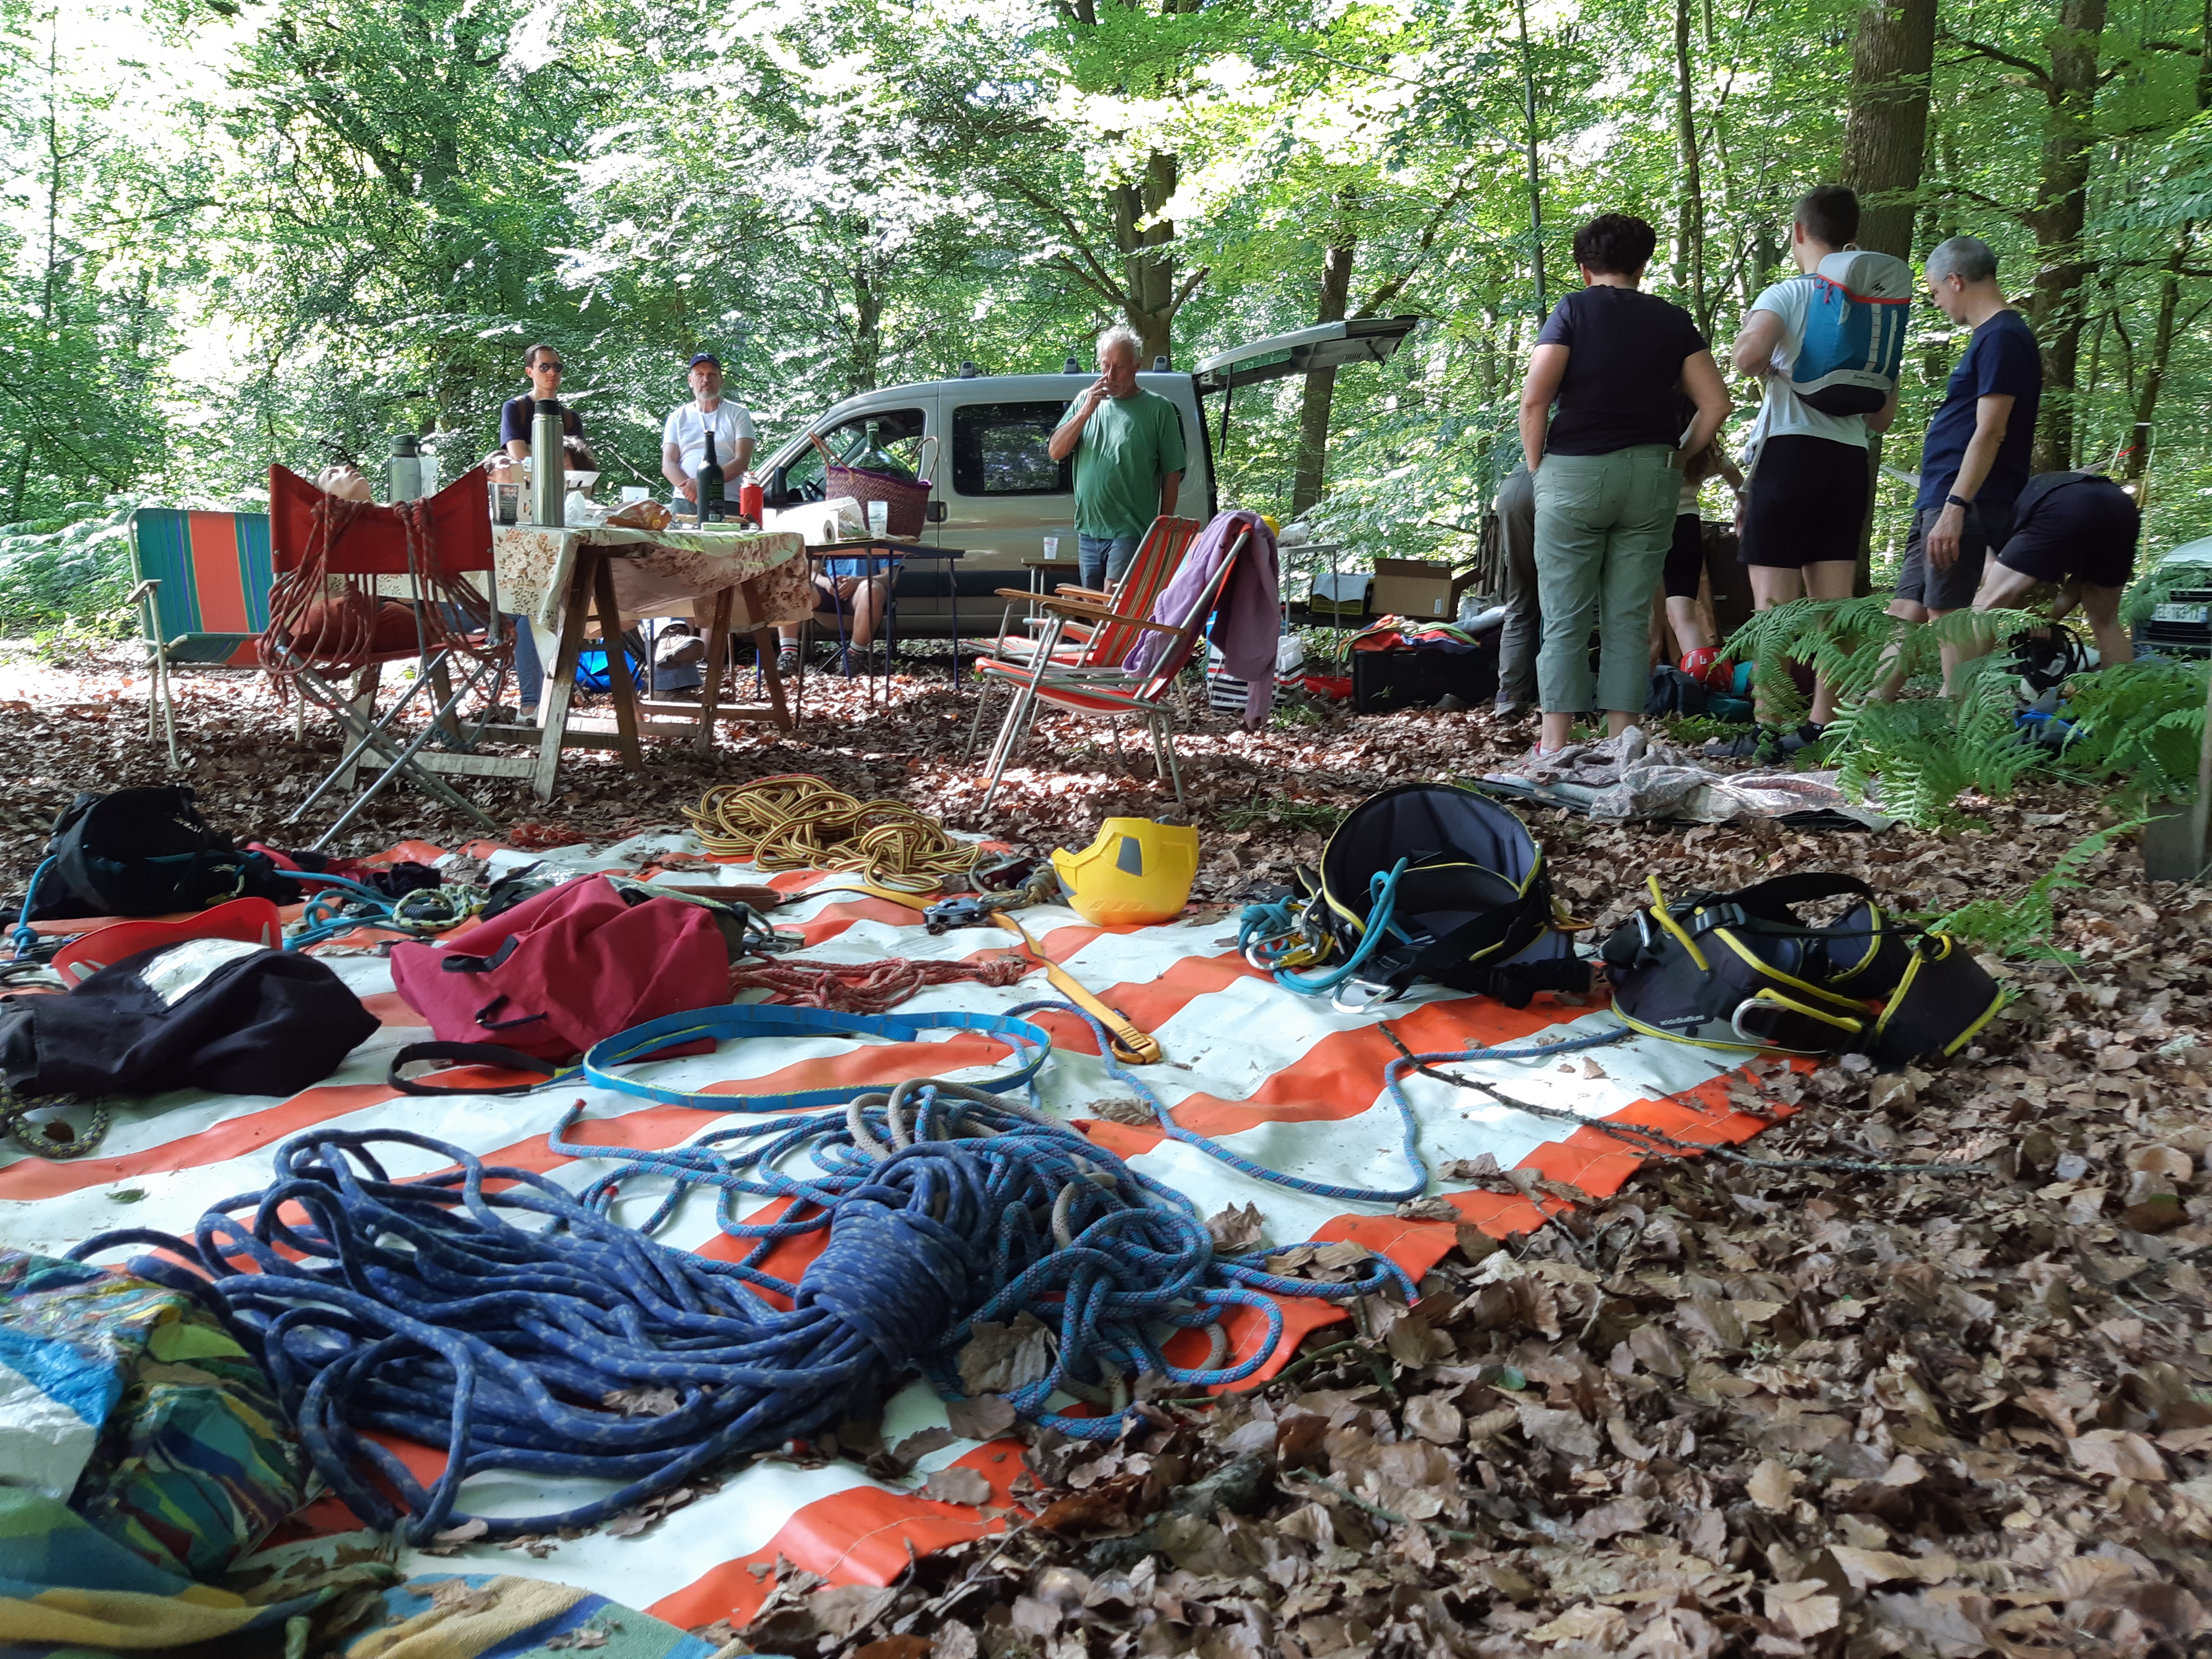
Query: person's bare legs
[(1905, 611), (2004, 589), (1687, 619), (1772, 585), (2101, 606), (866, 594), (1557, 728), (1827, 578)]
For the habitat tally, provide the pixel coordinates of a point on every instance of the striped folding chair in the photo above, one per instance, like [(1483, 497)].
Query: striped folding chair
[(202, 591), (1102, 645), (1113, 692)]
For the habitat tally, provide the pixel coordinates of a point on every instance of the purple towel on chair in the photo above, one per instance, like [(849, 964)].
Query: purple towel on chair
[(1248, 618)]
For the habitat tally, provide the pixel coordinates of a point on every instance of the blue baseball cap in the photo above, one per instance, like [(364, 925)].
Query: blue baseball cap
[(706, 357)]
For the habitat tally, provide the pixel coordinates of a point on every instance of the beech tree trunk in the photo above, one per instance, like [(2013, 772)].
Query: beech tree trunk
[(1886, 134), (864, 360), (2137, 461), (1311, 474), (1152, 297), (1885, 138), (2063, 265), (1690, 235)]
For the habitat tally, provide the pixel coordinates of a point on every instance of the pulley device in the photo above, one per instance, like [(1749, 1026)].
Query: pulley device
[(1743, 971), (1421, 882)]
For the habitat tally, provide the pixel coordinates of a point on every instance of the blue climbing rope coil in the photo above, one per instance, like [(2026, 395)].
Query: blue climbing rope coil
[(1270, 933), (493, 1312)]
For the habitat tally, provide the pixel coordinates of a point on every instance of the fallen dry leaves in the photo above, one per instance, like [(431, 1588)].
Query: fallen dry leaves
[(1731, 1411)]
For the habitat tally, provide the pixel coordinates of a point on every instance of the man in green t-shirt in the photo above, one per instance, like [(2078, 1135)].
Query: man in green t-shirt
[(1127, 445)]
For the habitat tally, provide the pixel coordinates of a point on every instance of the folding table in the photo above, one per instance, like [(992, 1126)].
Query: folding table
[(559, 578)]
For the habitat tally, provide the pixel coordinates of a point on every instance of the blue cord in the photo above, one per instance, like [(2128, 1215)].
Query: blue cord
[(1263, 927), (1408, 1125), (24, 936)]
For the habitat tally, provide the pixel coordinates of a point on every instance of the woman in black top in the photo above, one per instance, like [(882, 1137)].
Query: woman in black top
[(1607, 463)]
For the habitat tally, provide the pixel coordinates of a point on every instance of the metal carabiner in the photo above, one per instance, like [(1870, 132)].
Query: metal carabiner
[(1376, 994)]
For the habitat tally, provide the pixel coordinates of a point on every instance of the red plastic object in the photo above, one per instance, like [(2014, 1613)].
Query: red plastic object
[(251, 921), (750, 500)]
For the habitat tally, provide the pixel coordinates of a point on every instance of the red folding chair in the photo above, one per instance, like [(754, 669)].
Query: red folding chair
[(1113, 692), (327, 622), (1012, 654)]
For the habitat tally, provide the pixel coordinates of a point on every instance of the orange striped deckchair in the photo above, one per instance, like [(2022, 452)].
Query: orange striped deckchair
[(1113, 692), (202, 590), (1101, 646)]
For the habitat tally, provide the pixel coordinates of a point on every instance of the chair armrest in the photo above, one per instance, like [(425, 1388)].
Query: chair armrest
[(1100, 613), (1094, 595), (1021, 593)]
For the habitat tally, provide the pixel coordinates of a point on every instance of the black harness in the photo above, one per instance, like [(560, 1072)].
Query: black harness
[(1742, 971)]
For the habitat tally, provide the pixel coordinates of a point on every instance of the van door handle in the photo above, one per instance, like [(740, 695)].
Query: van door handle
[(937, 512)]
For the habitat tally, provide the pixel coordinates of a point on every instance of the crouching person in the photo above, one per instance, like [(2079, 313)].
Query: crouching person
[(2077, 531)]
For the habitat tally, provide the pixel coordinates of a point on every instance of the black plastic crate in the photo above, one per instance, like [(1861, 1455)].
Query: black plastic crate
[(1384, 680)]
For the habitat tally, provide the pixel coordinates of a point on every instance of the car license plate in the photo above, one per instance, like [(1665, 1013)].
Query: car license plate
[(2182, 613)]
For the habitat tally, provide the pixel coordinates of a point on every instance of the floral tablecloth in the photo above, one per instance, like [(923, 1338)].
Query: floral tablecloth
[(658, 574)]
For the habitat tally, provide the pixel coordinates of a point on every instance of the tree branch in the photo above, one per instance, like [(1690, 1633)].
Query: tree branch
[(1995, 54)]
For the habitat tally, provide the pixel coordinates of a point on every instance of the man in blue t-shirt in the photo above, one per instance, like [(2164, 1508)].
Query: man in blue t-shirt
[(1974, 461)]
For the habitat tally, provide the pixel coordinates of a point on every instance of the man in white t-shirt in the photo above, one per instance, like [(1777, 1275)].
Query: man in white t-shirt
[(683, 438), (1806, 504)]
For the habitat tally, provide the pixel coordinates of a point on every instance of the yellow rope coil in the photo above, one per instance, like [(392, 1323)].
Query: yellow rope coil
[(796, 822)]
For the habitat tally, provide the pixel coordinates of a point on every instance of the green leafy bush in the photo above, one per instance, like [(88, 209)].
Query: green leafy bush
[(2142, 722), (74, 565)]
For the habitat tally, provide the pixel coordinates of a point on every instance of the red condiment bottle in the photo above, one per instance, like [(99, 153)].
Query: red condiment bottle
[(750, 501)]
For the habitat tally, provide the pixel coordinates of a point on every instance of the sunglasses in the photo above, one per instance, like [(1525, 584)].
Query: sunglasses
[(541, 366)]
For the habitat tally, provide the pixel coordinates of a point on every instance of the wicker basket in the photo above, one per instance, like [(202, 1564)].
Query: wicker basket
[(906, 501)]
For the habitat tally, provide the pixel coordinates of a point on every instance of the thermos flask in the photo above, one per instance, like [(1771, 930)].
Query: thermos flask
[(549, 465)]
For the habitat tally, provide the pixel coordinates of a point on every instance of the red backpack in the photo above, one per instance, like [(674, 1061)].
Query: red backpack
[(559, 971)]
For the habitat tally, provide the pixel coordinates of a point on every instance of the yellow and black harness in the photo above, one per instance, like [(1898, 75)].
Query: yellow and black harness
[(1743, 971)]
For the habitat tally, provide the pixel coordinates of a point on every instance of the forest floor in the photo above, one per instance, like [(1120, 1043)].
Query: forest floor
[(1756, 1407)]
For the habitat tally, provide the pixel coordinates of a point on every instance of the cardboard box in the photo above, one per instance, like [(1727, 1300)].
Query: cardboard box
[(1413, 587)]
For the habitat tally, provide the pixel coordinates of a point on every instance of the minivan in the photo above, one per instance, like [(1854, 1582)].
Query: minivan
[(998, 493)]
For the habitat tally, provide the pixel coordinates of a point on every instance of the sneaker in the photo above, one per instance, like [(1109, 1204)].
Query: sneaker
[(1761, 743), (674, 650), (786, 661)]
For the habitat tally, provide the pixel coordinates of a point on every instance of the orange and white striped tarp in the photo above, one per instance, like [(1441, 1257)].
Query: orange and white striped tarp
[(1283, 1079)]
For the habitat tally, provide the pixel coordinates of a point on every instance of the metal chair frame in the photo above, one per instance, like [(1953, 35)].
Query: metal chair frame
[(1013, 654), (1111, 692)]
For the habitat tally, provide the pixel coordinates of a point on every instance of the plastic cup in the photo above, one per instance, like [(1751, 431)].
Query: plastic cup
[(879, 518)]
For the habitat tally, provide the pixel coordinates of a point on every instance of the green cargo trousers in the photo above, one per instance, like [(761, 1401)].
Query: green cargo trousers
[(1603, 526)]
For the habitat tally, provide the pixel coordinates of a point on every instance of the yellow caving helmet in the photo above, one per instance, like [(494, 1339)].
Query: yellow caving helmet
[(1137, 872)]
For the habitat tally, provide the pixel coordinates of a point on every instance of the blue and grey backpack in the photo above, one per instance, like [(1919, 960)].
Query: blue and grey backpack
[(1854, 332)]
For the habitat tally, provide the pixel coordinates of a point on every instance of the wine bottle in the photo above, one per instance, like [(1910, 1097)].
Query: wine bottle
[(710, 485)]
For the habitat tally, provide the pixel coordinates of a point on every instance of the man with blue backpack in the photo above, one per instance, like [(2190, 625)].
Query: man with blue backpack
[(1828, 343)]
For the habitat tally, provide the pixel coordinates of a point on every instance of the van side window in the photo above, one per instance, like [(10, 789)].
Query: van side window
[(898, 432), (999, 449)]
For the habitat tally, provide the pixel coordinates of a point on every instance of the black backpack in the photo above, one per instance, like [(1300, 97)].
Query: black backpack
[(1468, 902), (145, 852)]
